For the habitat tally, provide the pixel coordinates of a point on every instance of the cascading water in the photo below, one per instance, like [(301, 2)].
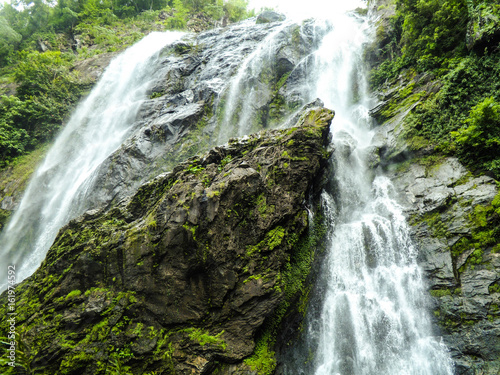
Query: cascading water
[(245, 90), (373, 318), (97, 128)]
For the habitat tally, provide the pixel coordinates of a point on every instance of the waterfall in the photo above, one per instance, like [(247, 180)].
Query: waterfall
[(374, 317), (99, 125)]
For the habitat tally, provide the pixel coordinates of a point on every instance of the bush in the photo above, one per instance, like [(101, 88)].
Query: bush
[(179, 20), (46, 94), (478, 142), (13, 141)]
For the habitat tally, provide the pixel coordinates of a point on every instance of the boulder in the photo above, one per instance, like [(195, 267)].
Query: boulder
[(181, 276)]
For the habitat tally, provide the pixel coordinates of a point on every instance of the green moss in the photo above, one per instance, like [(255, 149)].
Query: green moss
[(213, 193), (157, 94), (74, 293), (191, 229), (293, 277), (263, 360), (494, 288), (204, 338), (256, 277), (463, 180), (272, 239), (275, 237), (402, 100), (262, 206), (480, 214), (224, 162), (438, 293), (435, 223), (462, 245)]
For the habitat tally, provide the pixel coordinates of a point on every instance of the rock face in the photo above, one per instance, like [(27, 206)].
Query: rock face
[(455, 215), (184, 115), (180, 277), (456, 222)]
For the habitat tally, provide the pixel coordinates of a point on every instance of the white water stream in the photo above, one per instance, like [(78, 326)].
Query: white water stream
[(97, 128)]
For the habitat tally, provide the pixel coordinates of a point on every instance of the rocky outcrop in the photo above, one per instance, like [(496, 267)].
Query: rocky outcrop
[(180, 277)]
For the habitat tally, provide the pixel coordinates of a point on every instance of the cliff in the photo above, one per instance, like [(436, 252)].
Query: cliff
[(451, 202), (181, 276)]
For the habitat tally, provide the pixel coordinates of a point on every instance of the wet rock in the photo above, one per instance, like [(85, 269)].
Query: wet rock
[(182, 116), (91, 69), (345, 143), (270, 16)]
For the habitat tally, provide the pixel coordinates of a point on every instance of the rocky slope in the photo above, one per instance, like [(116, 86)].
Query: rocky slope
[(186, 112), (180, 277), (455, 214)]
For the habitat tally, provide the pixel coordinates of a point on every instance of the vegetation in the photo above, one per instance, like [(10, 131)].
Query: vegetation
[(455, 43), (40, 42)]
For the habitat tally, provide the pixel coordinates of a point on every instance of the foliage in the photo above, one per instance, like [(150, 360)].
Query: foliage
[(179, 20), (236, 9), (116, 367), (8, 41), (46, 93), (478, 143), (424, 35)]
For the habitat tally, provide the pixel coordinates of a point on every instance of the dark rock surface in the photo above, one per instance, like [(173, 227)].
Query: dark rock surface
[(179, 277)]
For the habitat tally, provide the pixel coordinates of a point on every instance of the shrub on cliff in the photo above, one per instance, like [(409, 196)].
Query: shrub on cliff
[(478, 143)]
